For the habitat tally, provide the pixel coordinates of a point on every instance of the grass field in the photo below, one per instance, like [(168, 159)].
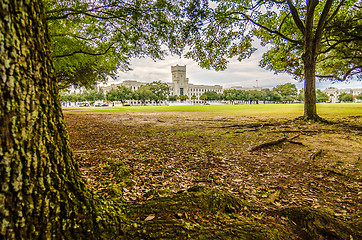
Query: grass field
[(267, 110)]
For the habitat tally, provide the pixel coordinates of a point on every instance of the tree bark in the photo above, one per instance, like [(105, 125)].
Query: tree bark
[(310, 106), (42, 194), (309, 58)]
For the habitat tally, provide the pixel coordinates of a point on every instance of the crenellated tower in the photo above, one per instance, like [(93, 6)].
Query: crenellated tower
[(179, 80)]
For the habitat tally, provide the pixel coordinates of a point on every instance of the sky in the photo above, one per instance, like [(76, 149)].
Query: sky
[(246, 73)]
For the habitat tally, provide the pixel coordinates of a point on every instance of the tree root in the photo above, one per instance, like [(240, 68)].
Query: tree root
[(312, 119), (276, 142), (251, 125)]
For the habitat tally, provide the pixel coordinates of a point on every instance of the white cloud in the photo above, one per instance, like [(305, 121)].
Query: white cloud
[(243, 73)]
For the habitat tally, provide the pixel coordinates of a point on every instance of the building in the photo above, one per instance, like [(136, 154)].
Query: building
[(180, 85), (131, 84), (72, 89), (246, 89), (334, 93)]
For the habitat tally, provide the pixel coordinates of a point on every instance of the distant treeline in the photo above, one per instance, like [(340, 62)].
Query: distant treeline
[(157, 91)]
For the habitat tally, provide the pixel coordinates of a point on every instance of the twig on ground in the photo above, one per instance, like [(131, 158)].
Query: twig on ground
[(294, 142), (316, 154)]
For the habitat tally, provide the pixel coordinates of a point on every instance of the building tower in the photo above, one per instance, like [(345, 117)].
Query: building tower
[(179, 81)]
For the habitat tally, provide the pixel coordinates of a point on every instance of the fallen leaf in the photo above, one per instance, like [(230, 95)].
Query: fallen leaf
[(150, 217)]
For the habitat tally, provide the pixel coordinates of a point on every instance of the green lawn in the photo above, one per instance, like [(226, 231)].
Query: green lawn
[(272, 110)]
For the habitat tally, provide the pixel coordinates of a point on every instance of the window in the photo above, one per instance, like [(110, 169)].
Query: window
[(181, 91)]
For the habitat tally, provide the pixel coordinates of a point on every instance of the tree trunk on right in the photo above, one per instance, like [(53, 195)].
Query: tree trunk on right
[(310, 107)]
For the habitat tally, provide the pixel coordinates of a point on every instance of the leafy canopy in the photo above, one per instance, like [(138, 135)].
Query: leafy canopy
[(286, 89), (227, 28), (120, 93), (91, 39), (160, 90)]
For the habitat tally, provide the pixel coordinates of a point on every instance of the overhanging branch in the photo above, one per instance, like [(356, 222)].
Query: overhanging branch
[(84, 52), (336, 11), (265, 28), (321, 24), (296, 17)]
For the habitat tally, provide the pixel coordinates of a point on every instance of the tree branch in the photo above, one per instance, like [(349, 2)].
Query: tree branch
[(281, 24), (311, 5), (350, 71), (296, 17), (266, 28), (336, 10), (345, 76), (331, 47), (321, 24), (74, 36), (83, 52)]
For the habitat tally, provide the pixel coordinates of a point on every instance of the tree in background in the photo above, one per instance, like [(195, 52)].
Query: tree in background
[(321, 96), (272, 96), (183, 97), (144, 93), (65, 97), (252, 95), (160, 90), (255, 95), (300, 96), (90, 95), (121, 93), (229, 95), (211, 95), (193, 98), (203, 97), (172, 98), (359, 96), (288, 91), (345, 97), (93, 95), (308, 39)]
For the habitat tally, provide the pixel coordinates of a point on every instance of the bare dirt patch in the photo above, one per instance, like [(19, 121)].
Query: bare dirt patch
[(140, 156)]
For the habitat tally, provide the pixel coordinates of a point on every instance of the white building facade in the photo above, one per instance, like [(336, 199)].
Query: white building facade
[(180, 85), (131, 84), (334, 93)]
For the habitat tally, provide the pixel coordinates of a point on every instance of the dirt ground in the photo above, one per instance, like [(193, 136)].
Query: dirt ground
[(272, 163)]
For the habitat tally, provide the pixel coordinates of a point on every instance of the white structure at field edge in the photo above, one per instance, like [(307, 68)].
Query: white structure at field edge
[(333, 93), (180, 84)]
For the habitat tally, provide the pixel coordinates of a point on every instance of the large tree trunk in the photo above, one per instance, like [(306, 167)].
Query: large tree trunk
[(311, 43), (310, 107), (42, 194)]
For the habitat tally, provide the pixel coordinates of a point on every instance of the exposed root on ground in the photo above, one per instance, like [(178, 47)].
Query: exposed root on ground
[(275, 142)]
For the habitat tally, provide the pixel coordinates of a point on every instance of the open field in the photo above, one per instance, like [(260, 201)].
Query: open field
[(197, 172), (276, 110)]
